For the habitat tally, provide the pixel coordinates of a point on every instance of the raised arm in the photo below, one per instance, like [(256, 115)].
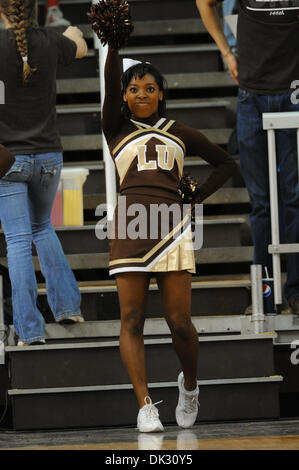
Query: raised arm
[(113, 99), (76, 35), (210, 18)]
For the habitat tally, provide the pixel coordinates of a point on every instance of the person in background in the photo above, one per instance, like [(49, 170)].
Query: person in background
[(28, 62), (265, 69), (53, 15)]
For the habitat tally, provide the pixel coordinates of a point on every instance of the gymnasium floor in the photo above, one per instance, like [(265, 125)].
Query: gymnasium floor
[(269, 435)]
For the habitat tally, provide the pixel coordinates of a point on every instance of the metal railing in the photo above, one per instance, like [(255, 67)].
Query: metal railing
[(272, 122), (110, 173)]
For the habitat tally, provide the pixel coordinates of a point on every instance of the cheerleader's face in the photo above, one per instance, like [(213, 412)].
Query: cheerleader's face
[(143, 96)]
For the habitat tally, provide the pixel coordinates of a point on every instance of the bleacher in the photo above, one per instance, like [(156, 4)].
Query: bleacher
[(77, 379)]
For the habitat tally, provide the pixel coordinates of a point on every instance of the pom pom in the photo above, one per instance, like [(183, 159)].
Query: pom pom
[(111, 21), (189, 190)]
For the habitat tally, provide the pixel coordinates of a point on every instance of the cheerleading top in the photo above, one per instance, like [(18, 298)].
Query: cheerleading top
[(149, 158)]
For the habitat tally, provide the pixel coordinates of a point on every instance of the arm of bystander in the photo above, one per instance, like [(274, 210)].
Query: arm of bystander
[(210, 18), (76, 35)]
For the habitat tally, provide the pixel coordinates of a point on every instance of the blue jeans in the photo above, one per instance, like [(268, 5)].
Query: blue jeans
[(254, 165), (27, 193)]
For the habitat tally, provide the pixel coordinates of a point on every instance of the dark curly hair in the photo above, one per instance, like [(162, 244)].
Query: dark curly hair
[(138, 71)]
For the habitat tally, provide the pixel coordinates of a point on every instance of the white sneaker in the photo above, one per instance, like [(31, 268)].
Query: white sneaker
[(71, 320), (55, 18), (187, 407), (148, 417), (34, 343)]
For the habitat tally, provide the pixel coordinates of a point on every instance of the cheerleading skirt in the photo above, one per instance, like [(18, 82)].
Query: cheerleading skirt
[(148, 234)]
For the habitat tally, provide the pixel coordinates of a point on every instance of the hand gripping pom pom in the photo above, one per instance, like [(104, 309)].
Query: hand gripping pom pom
[(189, 190), (111, 21)]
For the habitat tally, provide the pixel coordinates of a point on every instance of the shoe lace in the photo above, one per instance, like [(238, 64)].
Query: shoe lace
[(150, 408), (190, 403)]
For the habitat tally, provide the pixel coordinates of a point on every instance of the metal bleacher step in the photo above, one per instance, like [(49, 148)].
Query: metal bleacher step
[(209, 113), (226, 296), (94, 141), (175, 81), (221, 197), (255, 398), (154, 327), (216, 231), (95, 181), (169, 9), (188, 58), (83, 361), (157, 28), (44, 380), (219, 255), (167, 27), (86, 247), (192, 58), (75, 10)]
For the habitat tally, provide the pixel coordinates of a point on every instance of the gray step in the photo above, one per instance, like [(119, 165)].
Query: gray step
[(95, 181), (75, 10), (221, 197), (94, 141), (169, 9), (106, 406), (210, 113), (154, 327), (229, 196), (175, 81), (209, 298), (172, 27), (169, 27), (215, 232), (189, 58), (226, 255), (77, 364)]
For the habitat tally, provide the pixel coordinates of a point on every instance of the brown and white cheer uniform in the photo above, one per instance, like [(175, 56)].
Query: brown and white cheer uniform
[(149, 158)]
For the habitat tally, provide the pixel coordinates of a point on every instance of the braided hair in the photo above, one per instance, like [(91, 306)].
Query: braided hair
[(21, 14)]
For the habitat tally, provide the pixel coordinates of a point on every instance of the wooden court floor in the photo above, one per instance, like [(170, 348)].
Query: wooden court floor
[(242, 443), (269, 435)]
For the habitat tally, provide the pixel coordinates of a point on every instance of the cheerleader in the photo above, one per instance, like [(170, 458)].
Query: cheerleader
[(148, 150)]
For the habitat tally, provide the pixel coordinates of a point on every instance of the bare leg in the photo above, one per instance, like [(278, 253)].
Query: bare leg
[(132, 291), (175, 287)]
